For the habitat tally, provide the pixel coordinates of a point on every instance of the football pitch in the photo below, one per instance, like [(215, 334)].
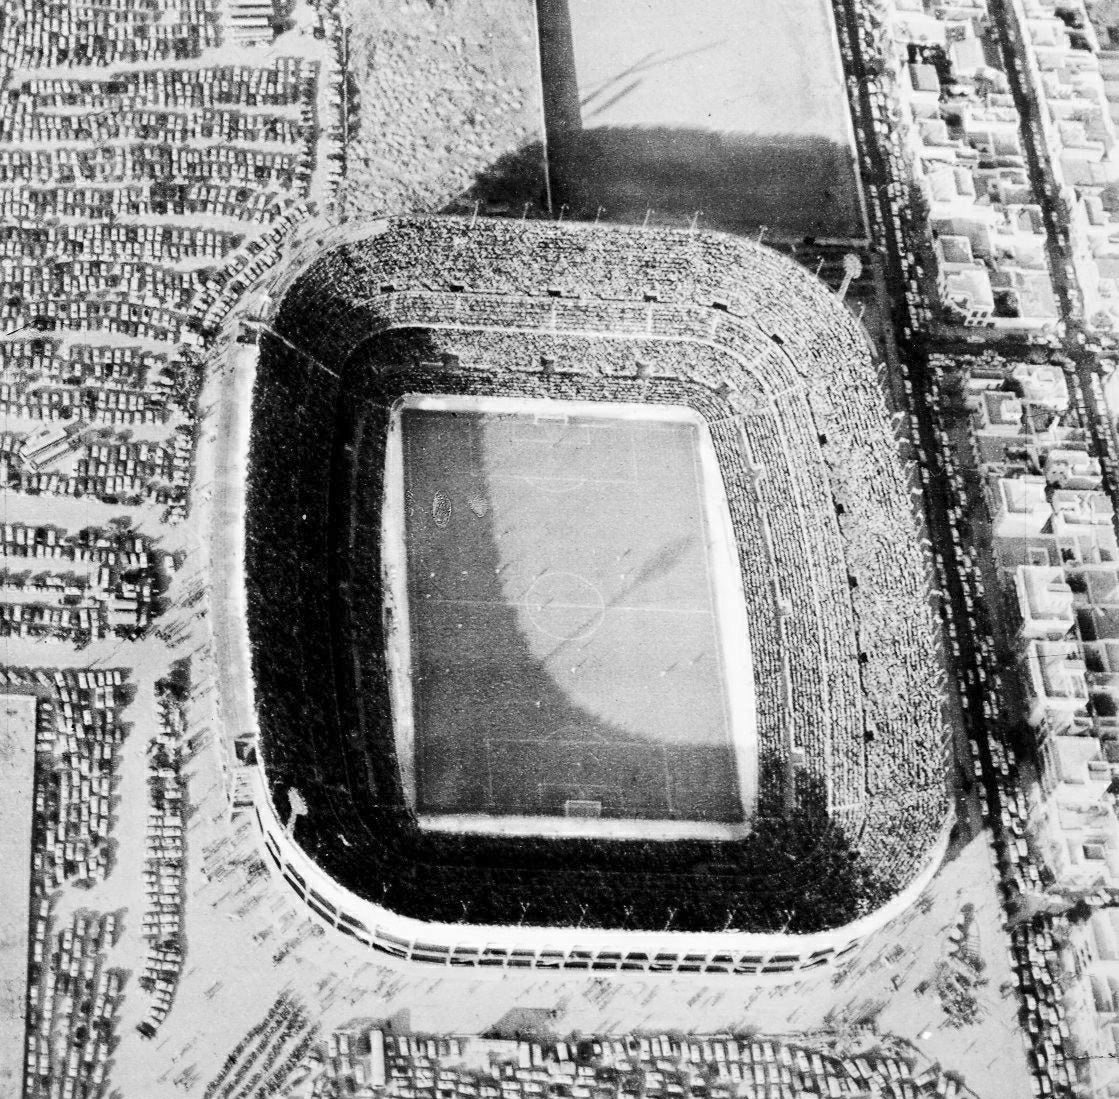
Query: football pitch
[(571, 635), (736, 108)]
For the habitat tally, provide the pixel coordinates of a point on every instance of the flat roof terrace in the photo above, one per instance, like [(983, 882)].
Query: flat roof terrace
[(569, 647), (737, 108)]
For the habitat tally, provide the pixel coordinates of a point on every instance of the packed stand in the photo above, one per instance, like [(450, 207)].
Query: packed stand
[(855, 616)]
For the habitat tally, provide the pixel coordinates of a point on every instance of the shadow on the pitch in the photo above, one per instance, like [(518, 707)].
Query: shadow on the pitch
[(496, 732), (795, 185)]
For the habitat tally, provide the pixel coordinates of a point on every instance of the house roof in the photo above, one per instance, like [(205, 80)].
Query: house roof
[(954, 249), (924, 77)]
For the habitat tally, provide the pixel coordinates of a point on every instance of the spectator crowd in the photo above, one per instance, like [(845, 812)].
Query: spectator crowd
[(846, 673)]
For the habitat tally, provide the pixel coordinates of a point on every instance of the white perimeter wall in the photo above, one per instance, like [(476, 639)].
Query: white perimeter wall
[(569, 948)]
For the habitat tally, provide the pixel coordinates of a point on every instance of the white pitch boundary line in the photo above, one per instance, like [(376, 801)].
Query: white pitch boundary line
[(713, 615), (710, 612), (496, 475), (652, 609), (596, 744)]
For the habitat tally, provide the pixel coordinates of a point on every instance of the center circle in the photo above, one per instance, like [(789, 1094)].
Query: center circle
[(565, 606)]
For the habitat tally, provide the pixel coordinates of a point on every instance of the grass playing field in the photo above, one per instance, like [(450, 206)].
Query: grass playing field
[(737, 108), (565, 640)]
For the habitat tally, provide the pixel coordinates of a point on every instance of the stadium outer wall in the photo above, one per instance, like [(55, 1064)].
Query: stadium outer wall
[(381, 929), (565, 948)]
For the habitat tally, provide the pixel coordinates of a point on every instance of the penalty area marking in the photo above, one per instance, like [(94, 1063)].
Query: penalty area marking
[(550, 431), (585, 753)]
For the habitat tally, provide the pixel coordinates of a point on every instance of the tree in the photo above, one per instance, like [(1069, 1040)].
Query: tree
[(852, 269)]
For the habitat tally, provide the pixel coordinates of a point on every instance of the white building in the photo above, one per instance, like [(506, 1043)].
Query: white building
[(1056, 682), (1044, 602), (1019, 506)]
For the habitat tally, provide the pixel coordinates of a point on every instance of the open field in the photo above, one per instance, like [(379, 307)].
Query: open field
[(735, 109), (564, 614)]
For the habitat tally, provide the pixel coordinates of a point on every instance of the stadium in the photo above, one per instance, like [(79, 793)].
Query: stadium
[(520, 706)]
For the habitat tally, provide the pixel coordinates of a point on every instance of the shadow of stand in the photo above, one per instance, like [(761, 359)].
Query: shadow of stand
[(797, 186), (791, 184)]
